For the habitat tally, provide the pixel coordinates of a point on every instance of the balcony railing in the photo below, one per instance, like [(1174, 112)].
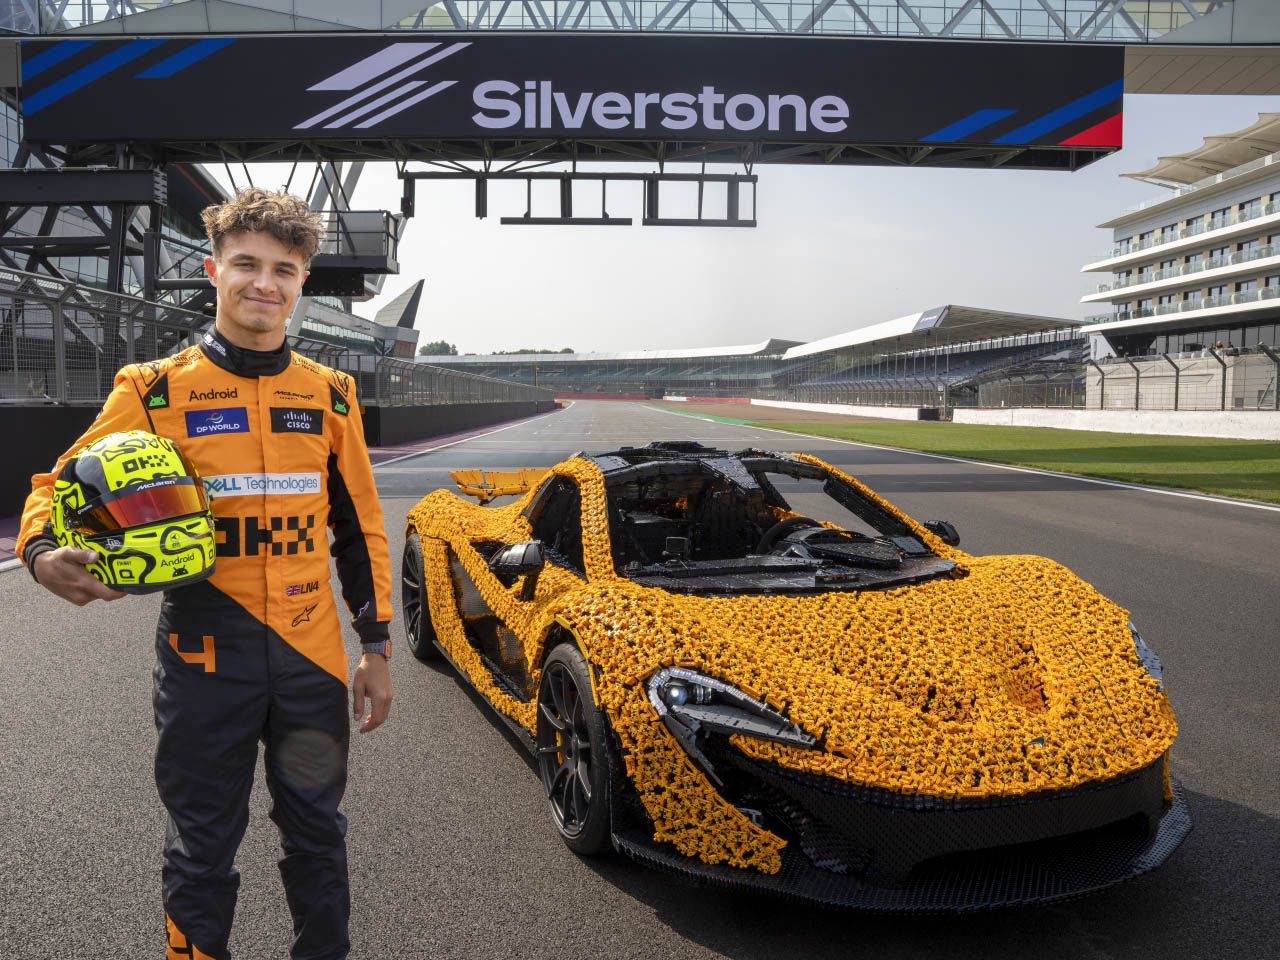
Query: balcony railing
[(1187, 269), (1191, 230), (1208, 182), (1187, 306), (361, 233)]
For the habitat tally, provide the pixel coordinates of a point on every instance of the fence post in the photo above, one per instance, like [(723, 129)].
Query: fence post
[(1275, 380), (60, 344), (1102, 384), (1137, 384), (1177, 378), (1214, 353)]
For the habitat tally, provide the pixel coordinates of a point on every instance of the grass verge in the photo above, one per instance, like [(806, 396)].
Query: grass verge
[(1228, 468)]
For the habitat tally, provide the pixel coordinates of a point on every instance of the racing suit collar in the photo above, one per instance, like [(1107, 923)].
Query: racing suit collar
[(242, 362)]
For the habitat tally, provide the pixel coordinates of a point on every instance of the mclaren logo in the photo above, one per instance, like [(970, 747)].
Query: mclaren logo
[(383, 85)]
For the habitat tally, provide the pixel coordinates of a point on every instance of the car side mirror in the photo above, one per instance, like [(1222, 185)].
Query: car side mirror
[(517, 560), (944, 531)]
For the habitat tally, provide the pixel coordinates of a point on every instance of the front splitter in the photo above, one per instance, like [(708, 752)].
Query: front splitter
[(1033, 873)]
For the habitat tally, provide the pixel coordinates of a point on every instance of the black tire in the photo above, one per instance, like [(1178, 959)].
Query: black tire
[(576, 780), (418, 630), (781, 529)]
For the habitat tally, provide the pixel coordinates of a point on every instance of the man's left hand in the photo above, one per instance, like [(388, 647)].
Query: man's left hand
[(372, 679)]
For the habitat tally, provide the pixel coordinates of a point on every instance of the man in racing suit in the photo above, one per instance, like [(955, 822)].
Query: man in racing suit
[(255, 652)]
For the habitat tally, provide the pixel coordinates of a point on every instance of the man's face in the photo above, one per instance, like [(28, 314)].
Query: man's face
[(258, 279)]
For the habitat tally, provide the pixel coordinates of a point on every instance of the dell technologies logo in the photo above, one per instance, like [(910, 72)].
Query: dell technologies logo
[(386, 83)]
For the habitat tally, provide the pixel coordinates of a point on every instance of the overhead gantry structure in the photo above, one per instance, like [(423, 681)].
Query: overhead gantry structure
[(1077, 21)]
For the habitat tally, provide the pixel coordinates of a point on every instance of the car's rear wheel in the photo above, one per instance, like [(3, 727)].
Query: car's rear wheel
[(572, 755), (418, 630)]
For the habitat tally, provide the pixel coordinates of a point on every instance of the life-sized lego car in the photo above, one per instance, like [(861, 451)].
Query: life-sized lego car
[(750, 670)]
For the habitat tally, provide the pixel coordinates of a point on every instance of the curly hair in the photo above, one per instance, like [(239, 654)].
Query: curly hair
[(253, 209)]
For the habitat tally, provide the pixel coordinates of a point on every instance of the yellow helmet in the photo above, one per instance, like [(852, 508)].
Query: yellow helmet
[(136, 500)]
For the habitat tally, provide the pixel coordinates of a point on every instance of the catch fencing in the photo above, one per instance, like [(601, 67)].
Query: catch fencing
[(1057, 388), (62, 343), (1200, 380)]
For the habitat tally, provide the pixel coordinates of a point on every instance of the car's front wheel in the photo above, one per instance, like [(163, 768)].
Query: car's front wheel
[(413, 602), (572, 755)]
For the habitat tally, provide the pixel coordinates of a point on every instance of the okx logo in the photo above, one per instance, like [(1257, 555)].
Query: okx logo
[(382, 84), (207, 423)]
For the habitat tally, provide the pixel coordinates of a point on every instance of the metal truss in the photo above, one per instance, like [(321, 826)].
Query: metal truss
[(1105, 21), (570, 151)]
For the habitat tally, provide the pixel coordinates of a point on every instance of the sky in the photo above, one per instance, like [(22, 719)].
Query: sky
[(836, 248)]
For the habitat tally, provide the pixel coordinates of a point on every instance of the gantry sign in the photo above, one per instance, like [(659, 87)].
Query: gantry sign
[(461, 96)]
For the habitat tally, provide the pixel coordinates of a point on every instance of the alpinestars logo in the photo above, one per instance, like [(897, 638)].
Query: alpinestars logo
[(398, 92)]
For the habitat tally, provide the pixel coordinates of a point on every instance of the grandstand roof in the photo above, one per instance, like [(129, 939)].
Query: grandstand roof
[(1217, 154), (929, 328), (771, 347)]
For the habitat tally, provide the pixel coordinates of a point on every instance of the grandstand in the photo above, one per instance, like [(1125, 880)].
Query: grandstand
[(940, 358)]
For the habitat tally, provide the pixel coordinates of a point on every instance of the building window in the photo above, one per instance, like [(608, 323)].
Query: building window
[(1144, 304), (1166, 266), (1168, 298), (1145, 272), (1195, 259), (1248, 246), (1194, 296), (1246, 286), (1124, 243), (1144, 237), (1217, 291), (1169, 232), (1273, 281), (1223, 213), (1251, 208)]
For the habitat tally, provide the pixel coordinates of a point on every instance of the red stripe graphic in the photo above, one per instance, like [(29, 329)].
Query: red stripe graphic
[(1108, 133)]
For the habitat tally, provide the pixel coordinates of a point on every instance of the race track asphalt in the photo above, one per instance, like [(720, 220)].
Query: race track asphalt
[(451, 850)]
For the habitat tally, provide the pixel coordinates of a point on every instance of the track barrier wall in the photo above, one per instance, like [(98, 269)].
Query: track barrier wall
[(1243, 425), (854, 410), (387, 426)]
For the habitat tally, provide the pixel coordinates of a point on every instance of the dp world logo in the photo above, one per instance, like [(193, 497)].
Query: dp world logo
[(383, 85), (215, 418)]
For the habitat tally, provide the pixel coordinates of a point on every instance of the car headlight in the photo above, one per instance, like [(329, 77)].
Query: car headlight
[(698, 702), (1148, 658)]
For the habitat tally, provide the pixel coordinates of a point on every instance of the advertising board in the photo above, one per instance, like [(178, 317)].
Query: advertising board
[(834, 90)]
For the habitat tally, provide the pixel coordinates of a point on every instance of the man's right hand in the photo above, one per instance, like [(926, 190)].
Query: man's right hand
[(62, 572)]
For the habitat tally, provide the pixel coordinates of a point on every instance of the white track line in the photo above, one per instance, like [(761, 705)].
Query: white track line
[(454, 443), (10, 564), (1164, 491)]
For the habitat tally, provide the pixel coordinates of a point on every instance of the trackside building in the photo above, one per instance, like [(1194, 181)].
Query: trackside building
[(1193, 282)]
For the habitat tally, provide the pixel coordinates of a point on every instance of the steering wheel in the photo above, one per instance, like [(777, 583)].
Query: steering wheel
[(781, 529)]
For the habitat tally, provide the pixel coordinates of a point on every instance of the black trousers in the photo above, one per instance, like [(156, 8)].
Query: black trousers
[(224, 682)]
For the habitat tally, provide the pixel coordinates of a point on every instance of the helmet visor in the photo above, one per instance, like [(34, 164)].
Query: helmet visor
[(132, 507)]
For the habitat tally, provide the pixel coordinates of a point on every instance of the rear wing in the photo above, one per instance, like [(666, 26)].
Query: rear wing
[(485, 485)]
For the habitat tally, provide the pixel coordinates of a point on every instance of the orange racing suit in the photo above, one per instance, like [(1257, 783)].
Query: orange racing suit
[(255, 652)]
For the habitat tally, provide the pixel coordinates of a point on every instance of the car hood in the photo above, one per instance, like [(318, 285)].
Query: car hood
[(1013, 678)]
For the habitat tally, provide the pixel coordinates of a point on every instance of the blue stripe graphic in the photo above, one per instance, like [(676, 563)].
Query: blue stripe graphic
[(962, 128), (1051, 121), (86, 75), (53, 56), (184, 58)]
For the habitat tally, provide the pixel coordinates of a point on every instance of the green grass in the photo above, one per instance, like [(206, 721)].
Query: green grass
[(1229, 468)]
